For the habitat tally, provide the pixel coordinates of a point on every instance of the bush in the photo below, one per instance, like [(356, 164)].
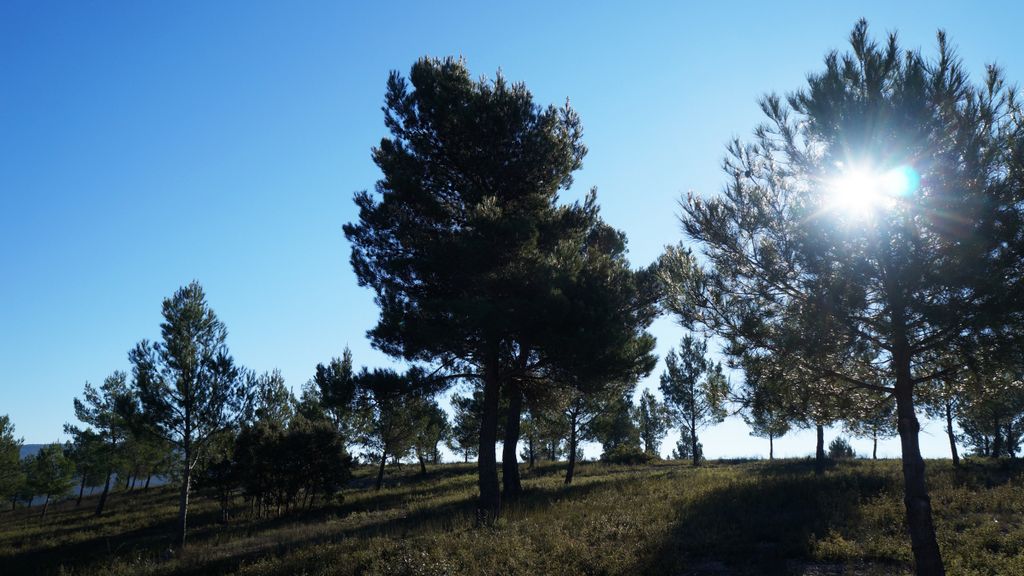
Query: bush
[(840, 449), (626, 455)]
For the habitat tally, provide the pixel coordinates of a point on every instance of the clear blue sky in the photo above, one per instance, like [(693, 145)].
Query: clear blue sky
[(145, 144)]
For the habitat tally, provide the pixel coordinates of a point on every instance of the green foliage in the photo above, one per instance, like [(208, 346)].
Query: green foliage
[(627, 454), (431, 428), (653, 420), (49, 473), (394, 416), (767, 402), (868, 300), (687, 449), (465, 435), (188, 386), (614, 425), (336, 391), (840, 449), (695, 389), (110, 414), (11, 473), (476, 265)]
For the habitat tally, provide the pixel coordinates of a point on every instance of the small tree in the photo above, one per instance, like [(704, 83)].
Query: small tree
[(431, 427), (11, 473), (107, 411), (336, 387), (465, 432), (840, 449), (615, 425), (875, 419), (388, 424), (767, 407), (654, 420), (50, 474), (188, 384), (695, 390), (87, 451)]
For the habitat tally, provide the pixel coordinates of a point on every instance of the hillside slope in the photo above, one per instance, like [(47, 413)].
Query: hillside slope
[(668, 518)]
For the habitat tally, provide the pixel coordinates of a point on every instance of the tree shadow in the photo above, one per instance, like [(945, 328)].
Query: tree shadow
[(766, 526)]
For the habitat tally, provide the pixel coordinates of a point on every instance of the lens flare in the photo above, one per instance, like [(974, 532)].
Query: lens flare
[(861, 192)]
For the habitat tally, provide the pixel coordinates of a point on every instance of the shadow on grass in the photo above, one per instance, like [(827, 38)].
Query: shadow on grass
[(764, 526), (255, 539)]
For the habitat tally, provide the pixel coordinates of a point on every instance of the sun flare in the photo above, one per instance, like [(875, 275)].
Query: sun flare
[(861, 192)]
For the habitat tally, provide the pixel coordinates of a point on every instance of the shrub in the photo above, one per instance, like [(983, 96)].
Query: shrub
[(840, 449), (626, 455)]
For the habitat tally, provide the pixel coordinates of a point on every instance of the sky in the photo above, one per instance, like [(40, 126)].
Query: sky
[(145, 144)]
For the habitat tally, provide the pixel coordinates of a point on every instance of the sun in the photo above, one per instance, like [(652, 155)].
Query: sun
[(861, 192)]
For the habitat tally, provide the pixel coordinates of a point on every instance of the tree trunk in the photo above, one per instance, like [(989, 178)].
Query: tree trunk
[(950, 434), (46, 504), (997, 440), (127, 483), (819, 451), (380, 472), (466, 453), (533, 455), (693, 440), (148, 478), (423, 465), (511, 484), (771, 447), (489, 505), (103, 495), (927, 556), (571, 470), (186, 487), (81, 492), (874, 446)]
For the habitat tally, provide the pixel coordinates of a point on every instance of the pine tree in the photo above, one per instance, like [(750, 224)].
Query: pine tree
[(465, 436), (106, 411), (654, 420), (189, 387), (11, 473), (695, 390), (50, 474), (874, 221), (477, 267)]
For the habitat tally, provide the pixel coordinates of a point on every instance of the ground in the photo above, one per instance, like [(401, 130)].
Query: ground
[(665, 518)]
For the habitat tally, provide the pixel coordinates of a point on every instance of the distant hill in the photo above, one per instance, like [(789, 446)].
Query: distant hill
[(31, 449)]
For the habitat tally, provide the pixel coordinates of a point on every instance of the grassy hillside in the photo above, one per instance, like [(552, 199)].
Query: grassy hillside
[(668, 518)]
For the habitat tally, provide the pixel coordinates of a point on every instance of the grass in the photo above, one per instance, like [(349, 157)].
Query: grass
[(664, 518)]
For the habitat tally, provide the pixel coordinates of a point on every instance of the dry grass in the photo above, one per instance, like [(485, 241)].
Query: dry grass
[(666, 518)]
